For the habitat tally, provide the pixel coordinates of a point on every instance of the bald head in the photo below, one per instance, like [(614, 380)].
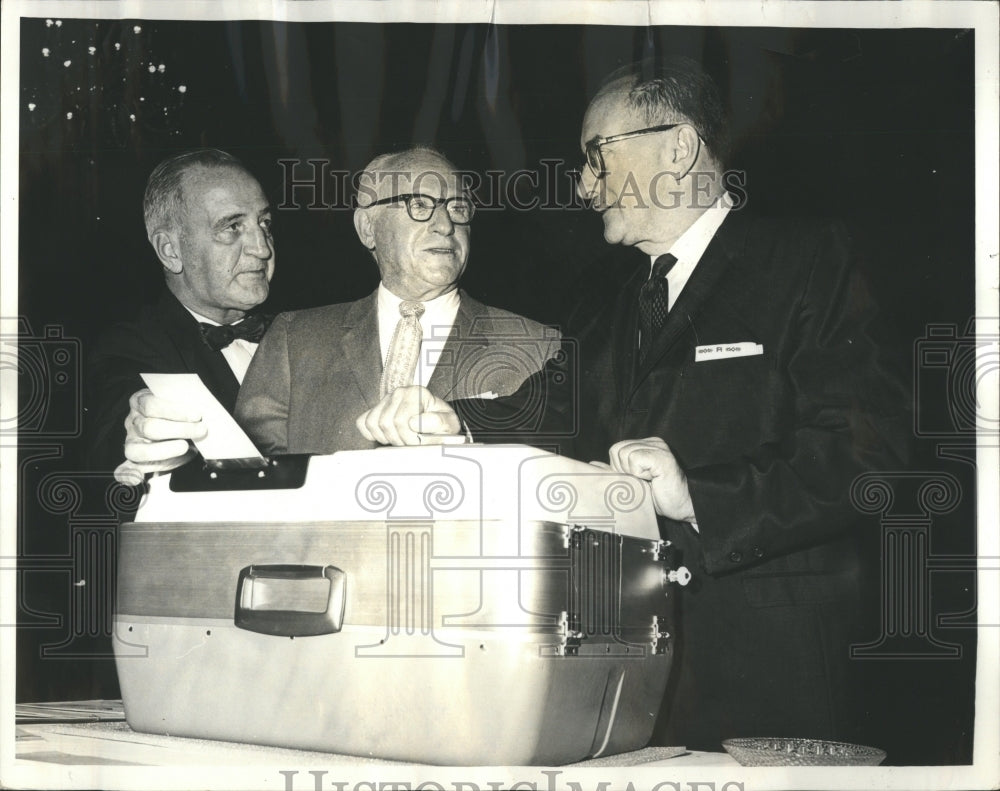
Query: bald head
[(653, 139), (671, 90), (404, 172), (413, 216)]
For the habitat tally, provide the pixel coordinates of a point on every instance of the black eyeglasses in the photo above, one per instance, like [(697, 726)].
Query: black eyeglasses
[(421, 207), (595, 160)]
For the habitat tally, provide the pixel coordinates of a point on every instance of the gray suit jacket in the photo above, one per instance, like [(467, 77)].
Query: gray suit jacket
[(317, 370)]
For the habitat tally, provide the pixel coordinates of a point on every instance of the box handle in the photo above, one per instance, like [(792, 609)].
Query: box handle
[(291, 600)]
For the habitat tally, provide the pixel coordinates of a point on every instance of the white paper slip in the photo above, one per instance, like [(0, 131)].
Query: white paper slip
[(225, 438), (722, 351)]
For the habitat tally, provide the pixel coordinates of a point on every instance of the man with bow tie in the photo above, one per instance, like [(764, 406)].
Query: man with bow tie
[(209, 223)]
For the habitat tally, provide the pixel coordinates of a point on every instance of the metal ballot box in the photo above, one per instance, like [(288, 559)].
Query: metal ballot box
[(460, 605)]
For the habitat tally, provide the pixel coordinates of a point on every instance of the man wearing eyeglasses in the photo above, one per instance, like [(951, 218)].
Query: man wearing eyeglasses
[(739, 371), (318, 369)]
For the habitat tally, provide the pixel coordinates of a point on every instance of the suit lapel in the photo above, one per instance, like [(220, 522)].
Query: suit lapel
[(360, 345), (211, 366), (467, 337), (720, 253), (625, 331)]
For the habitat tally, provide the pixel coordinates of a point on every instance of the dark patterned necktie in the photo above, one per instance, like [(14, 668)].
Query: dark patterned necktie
[(654, 302), (404, 348), (218, 336)]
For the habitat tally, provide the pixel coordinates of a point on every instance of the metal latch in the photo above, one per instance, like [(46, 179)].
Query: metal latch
[(659, 547), (658, 639), (569, 639), (569, 532)]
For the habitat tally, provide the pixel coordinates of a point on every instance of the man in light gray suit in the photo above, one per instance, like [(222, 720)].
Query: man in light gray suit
[(317, 370)]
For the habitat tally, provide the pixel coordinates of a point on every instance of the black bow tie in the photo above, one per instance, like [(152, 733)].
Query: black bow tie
[(219, 336)]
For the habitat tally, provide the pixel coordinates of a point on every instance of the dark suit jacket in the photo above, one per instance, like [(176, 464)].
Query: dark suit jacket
[(770, 445), (317, 370), (164, 339)]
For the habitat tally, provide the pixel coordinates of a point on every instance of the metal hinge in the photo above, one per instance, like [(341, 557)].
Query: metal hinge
[(569, 531), (569, 639), (658, 639), (659, 547)]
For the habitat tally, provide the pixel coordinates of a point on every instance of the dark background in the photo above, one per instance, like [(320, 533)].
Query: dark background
[(874, 126)]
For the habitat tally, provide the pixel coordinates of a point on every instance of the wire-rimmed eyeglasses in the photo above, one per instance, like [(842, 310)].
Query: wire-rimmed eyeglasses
[(595, 160), (421, 207)]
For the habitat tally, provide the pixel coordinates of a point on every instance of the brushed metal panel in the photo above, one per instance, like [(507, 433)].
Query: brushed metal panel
[(494, 702)]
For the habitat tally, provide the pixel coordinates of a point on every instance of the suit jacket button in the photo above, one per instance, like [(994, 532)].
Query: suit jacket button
[(736, 557), (758, 552)]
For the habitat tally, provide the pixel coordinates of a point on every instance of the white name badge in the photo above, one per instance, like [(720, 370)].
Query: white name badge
[(722, 351)]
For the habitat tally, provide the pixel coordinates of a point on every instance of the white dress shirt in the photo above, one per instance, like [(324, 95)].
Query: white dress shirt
[(436, 321), (690, 247), (238, 354), (688, 250)]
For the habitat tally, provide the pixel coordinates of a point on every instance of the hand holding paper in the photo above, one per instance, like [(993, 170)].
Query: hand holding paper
[(163, 421), (157, 431)]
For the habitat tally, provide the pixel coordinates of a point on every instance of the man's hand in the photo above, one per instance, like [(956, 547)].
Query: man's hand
[(651, 460), (156, 436), (406, 413)]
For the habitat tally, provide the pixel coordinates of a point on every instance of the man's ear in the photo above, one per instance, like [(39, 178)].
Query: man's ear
[(167, 251), (684, 149), (363, 226)]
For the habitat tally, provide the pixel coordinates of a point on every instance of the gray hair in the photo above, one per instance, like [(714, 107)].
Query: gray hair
[(397, 162), (164, 196), (668, 90)]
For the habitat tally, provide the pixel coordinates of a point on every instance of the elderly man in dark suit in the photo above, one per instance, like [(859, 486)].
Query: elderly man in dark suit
[(209, 223), (740, 371), (317, 370)]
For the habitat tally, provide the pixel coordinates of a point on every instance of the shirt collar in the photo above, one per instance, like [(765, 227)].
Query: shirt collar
[(205, 319), (440, 310), (691, 245)]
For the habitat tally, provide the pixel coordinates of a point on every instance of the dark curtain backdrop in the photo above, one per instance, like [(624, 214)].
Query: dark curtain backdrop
[(874, 126)]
